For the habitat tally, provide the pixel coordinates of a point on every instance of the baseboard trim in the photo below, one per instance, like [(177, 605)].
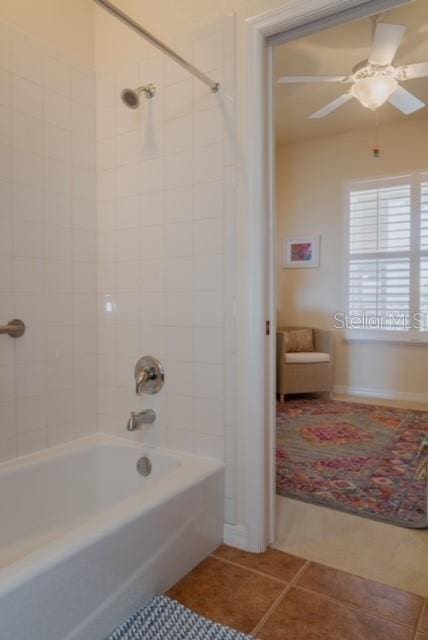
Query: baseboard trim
[(235, 536), (385, 394)]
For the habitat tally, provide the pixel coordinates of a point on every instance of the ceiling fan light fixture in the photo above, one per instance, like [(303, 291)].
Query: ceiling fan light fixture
[(374, 92)]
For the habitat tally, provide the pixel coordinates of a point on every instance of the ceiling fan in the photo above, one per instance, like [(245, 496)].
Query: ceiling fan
[(374, 81)]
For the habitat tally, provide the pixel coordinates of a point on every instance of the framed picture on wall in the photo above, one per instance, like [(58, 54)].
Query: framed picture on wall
[(301, 252)]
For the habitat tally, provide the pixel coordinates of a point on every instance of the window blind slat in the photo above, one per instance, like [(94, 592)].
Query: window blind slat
[(380, 219), (384, 281), (424, 216), (423, 302), (380, 287)]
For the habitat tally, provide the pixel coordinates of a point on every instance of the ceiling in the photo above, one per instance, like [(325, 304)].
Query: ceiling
[(335, 52)]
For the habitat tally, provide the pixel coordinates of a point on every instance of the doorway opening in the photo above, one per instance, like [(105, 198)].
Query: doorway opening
[(350, 298)]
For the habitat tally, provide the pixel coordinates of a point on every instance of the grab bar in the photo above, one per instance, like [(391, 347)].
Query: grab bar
[(15, 328)]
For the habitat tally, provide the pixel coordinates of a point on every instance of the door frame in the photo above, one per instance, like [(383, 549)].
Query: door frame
[(256, 249)]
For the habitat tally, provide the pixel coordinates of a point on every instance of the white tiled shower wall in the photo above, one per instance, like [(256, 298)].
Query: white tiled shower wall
[(47, 246), (166, 246)]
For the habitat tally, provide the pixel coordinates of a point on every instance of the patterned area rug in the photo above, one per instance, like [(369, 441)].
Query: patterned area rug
[(166, 619), (354, 457)]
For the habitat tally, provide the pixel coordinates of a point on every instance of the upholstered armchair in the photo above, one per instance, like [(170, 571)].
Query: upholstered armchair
[(308, 371)]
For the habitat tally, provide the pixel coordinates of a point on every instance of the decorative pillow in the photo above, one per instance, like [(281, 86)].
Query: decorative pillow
[(298, 340)]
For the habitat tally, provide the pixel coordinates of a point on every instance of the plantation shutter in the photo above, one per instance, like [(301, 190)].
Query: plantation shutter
[(379, 247), (424, 215), (424, 259)]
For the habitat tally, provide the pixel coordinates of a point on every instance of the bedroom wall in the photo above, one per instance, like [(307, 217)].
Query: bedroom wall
[(310, 179)]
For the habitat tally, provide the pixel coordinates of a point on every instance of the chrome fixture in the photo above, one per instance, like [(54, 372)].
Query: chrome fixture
[(144, 466), (143, 417), (131, 97), (15, 328), (123, 17), (149, 376)]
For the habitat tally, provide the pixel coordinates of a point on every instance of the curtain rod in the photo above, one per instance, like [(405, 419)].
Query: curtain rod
[(123, 17)]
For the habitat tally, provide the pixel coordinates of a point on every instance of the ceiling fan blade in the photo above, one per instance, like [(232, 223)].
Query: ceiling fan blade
[(405, 101), (410, 71), (332, 106), (387, 39), (292, 79)]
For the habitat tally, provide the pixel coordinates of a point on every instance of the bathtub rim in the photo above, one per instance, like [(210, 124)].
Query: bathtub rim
[(191, 470)]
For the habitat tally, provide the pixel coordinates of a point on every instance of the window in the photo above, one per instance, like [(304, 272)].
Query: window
[(388, 254)]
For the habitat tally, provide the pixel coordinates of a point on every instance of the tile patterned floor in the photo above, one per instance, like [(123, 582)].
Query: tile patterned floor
[(391, 555), (276, 596)]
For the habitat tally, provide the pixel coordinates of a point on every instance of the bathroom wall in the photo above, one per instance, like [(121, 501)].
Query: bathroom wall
[(197, 338), (169, 173), (166, 243), (47, 224), (312, 296), (64, 27)]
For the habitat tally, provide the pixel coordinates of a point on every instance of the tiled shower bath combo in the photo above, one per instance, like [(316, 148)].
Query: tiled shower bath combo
[(116, 242), (124, 281)]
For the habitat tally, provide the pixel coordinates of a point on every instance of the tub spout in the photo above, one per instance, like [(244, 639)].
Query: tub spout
[(143, 417)]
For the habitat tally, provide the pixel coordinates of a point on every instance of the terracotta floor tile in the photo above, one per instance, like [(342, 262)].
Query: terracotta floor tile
[(424, 621), (303, 616), (227, 594), (372, 596), (274, 563)]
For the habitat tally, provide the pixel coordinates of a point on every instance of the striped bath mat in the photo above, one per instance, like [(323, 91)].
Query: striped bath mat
[(166, 619)]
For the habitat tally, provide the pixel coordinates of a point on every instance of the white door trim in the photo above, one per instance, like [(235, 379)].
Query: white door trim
[(256, 255)]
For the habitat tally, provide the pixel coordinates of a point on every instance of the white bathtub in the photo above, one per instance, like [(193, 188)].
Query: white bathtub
[(85, 539)]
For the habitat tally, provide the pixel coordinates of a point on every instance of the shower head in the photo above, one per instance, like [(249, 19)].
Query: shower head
[(131, 97)]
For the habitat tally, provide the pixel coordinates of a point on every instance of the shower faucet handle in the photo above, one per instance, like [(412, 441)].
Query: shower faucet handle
[(149, 375), (140, 381)]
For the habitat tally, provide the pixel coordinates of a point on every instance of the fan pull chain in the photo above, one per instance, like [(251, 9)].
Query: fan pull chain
[(376, 148)]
